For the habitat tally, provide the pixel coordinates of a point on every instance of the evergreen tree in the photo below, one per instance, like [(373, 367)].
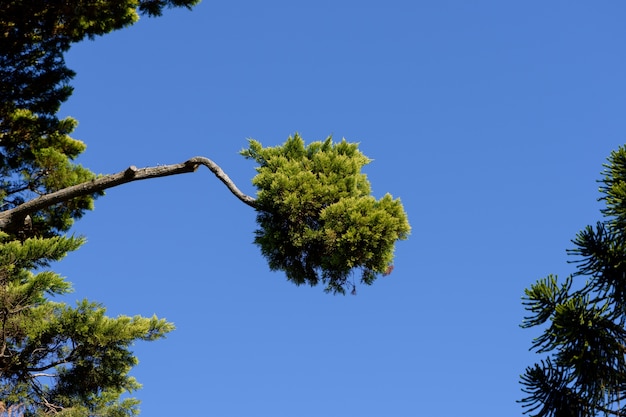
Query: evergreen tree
[(57, 359), (584, 373), (317, 220), (54, 358)]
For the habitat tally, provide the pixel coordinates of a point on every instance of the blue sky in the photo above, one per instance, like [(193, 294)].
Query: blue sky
[(490, 120)]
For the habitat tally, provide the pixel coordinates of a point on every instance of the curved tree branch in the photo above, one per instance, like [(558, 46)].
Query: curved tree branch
[(14, 219)]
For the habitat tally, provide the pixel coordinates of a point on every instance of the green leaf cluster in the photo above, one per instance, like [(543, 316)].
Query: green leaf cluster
[(583, 328), (57, 358), (317, 220)]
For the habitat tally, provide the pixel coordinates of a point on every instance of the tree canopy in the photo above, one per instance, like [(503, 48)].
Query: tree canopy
[(583, 317), (317, 220), (54, 358)]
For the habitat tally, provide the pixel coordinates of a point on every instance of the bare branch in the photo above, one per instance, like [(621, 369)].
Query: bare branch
[(13, 219), (215, 169), (43, 374)]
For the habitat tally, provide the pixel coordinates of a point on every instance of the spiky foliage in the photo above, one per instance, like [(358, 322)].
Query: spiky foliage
[(56, 358), (317, 219), (584, 335)]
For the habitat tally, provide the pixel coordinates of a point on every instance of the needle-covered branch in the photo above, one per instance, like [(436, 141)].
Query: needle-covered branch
[(583, 318)]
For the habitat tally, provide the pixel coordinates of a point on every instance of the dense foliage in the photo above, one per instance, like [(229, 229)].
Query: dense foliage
[(36, 151), (584, 316), (318, 221), (54, 358)]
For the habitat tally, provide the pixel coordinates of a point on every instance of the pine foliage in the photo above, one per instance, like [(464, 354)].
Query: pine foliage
[(317, 220), (583, 329), (55, 359), (36, 151)]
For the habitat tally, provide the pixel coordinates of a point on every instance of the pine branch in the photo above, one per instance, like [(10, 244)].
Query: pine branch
[(14, 219)]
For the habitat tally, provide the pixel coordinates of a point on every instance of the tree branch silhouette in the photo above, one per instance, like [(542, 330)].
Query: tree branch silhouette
[(14, 219)]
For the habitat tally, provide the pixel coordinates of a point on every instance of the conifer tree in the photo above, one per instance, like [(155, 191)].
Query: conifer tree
[(584, 372), (54, 358), (317, 220)]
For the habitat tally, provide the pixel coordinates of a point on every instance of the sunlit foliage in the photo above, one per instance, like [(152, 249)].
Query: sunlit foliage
[(317, 219)]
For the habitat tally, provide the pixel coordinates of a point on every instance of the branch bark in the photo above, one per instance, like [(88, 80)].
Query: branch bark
[(14, 219)]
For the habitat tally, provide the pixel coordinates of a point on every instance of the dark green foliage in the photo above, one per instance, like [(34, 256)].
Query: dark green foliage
[(36, 151), (35, 34), (585, 373), (548, 384), (55, 359), (317, 220)]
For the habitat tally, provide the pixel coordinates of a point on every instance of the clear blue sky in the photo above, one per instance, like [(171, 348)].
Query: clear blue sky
[(489, 119)]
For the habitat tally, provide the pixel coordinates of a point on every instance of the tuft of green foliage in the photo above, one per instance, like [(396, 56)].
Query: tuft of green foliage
[(317, 220), (60, 359), (584, 334)]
